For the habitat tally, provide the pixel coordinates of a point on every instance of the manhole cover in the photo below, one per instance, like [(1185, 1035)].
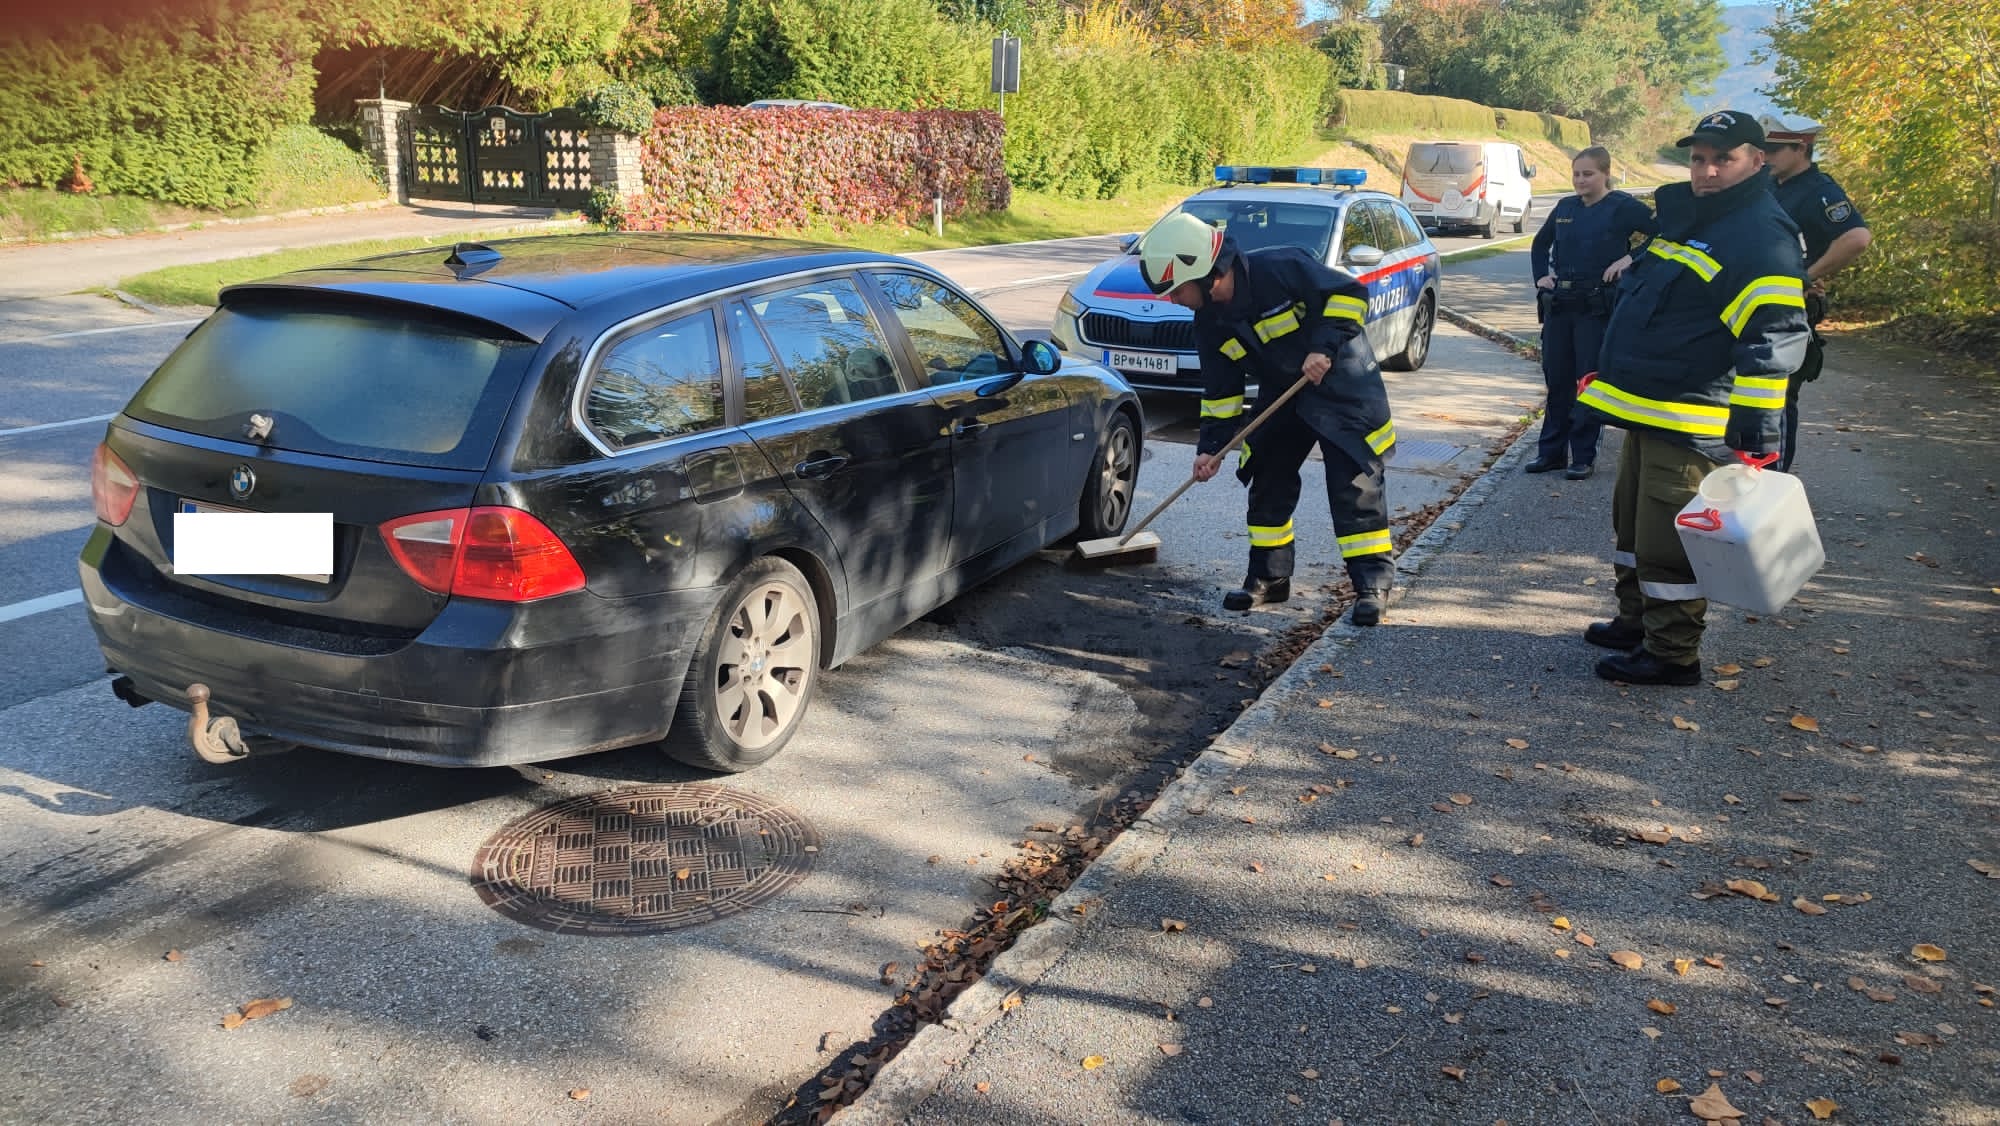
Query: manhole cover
[(1424, 451), (643, 860)]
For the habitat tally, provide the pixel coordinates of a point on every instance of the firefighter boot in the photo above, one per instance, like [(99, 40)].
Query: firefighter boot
[(1257, 592), (1368, 608)]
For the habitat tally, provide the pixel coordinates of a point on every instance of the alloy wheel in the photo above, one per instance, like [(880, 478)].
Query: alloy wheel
[(1117, 474), (765, 665)]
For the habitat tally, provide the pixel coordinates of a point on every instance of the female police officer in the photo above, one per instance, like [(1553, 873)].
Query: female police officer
[(1580, 250)]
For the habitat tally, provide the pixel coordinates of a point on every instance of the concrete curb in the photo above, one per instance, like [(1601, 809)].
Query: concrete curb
[(1519, 345), (920, 1068)]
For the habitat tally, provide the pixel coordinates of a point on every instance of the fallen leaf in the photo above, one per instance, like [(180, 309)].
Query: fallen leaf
[(1255, 866), (1805, 723), (1518, 744), (1947, 1029), (1092, 1063), (1474, 957), (1793, 795), (1921, 984), (1890, 1058), (1729, 684), (1927, 952), (1856, 984), (1417, 841), (1234, 660), (1762, 663), (1010, 1002), (1309, 1073), (1713, 1106), (1170, 1049), (1686, 724), (232, 1020), (1295, 1100), (173, 955), (982, 1088), (579, 1093), (1917, 1040), (1683, 965), (1807, 906), (1461, 799), (1753, 889), (1628, 959), (1654, 836), (1560, 922), (1500, 881), (1652, 1033), (1457, 1073), (1776, 1002), (1583, 939), (1712, 962), (1732, 799), (1453, 1018), (1881, 996), (1173, 926), (1360, 963), (1205, 1003), (256, 1010), (1667, 1086), (1664, 1008), (681, 874), (1986, 868), (1392, 1009)]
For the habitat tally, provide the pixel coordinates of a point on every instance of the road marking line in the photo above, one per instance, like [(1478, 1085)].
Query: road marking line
[(47, 602), (101, 331), (57, 425)]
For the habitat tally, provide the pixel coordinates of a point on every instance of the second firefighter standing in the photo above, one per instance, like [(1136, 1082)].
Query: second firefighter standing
[(1273, 316)]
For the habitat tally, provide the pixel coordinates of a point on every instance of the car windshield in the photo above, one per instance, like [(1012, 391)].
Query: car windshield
[(341, 379), (1441, 160), (1256, 224)]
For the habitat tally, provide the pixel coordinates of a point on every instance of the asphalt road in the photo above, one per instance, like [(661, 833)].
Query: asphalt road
[(343, 883)]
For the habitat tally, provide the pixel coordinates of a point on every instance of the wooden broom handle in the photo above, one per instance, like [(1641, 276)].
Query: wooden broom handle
[(1241, 436)]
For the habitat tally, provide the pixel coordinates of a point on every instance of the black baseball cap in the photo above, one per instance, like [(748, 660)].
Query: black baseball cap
[(1725, 129)]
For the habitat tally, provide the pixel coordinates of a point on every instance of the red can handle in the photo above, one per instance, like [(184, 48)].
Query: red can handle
[(1710, 521), (1756, 461)]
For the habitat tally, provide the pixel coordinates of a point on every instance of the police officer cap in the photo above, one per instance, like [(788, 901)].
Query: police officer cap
[(1725, 129), (1776, 132)]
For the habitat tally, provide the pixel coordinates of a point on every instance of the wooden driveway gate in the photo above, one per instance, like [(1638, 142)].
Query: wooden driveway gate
[(496, 155)]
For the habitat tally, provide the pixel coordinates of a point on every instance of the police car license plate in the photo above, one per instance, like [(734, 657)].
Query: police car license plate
[(1152, 362), (250, 544)]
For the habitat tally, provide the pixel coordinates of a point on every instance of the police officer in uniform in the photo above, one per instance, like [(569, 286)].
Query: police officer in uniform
[(1835, 236), (1270, 316), (1709, 325), (1579, 252)]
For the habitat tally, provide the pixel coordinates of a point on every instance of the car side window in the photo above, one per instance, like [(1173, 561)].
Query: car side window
[(766, 393), (1412, 233), (829, 342), (1359, 230), (1386, 226), (663, 381), (954, 341)]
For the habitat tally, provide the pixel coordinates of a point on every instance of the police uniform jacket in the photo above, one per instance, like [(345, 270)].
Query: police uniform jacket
[(1710, 322), (1287, 305), (1821, 209)]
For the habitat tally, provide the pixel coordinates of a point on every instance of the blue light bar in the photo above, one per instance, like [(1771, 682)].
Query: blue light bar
[(1289, 174)]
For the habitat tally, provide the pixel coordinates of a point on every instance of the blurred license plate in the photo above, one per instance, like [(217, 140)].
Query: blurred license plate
[(251, 543), (1142, 361)]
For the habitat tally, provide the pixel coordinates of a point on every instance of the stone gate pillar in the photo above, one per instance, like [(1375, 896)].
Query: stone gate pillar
[(614, 162), (382, 137)]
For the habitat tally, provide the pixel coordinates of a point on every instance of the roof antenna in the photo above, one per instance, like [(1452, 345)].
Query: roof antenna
[(469, 258)]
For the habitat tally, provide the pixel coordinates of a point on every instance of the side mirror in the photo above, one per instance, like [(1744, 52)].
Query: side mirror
[(1126, 243), (1364, 255), (1531, 171), (1039, 357)]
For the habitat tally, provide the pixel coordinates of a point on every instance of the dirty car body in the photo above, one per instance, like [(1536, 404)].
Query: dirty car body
[(581, 485)]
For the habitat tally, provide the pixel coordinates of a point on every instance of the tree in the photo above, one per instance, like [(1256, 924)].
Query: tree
[(1908, 92)]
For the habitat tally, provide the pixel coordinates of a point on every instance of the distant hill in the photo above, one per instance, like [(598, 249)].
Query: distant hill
[(1741, 86)]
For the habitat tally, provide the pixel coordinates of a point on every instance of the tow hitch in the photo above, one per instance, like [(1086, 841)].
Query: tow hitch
[(216, 740)]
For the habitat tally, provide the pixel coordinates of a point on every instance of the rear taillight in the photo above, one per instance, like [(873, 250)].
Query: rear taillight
[(113, 486), (502, 554)]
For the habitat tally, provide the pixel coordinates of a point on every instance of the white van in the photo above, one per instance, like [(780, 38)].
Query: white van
[(1468, 184)]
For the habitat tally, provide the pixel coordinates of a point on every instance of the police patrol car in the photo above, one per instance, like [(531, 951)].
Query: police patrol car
[(1111, 317)]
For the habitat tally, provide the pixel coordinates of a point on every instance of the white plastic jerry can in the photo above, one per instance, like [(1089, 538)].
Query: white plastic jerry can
[(1750, 535)]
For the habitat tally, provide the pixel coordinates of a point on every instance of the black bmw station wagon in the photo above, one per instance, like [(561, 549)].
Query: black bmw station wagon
[(586, 491)]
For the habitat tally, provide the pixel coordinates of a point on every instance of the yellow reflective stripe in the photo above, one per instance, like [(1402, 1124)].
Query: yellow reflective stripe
[(1755, 391), (1233, 348), (1704, 267), (1703, 420), (1222, 408), (1352, 308), (1271, 328), (1774, 290), (1242, 455), (1366, 543), (1271, 536), (1382, 437)]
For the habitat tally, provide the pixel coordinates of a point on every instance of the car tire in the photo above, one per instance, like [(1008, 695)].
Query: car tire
[(1417, 348), (1113, 481), (1492, 221), (753, 673), (1521, 224)]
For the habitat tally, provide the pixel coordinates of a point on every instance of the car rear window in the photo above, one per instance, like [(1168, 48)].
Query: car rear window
[(379, 384), (1255, 225), (1434, 160)]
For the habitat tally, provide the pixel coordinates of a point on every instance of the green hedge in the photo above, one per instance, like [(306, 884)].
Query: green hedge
[(170, 107), (724, 168), (1397, 110)]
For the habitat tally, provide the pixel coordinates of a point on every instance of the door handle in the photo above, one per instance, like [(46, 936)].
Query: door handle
[(966, 428), (819, 469)]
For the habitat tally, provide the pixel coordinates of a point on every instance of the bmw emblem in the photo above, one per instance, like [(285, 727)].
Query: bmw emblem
[(241, 481)]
